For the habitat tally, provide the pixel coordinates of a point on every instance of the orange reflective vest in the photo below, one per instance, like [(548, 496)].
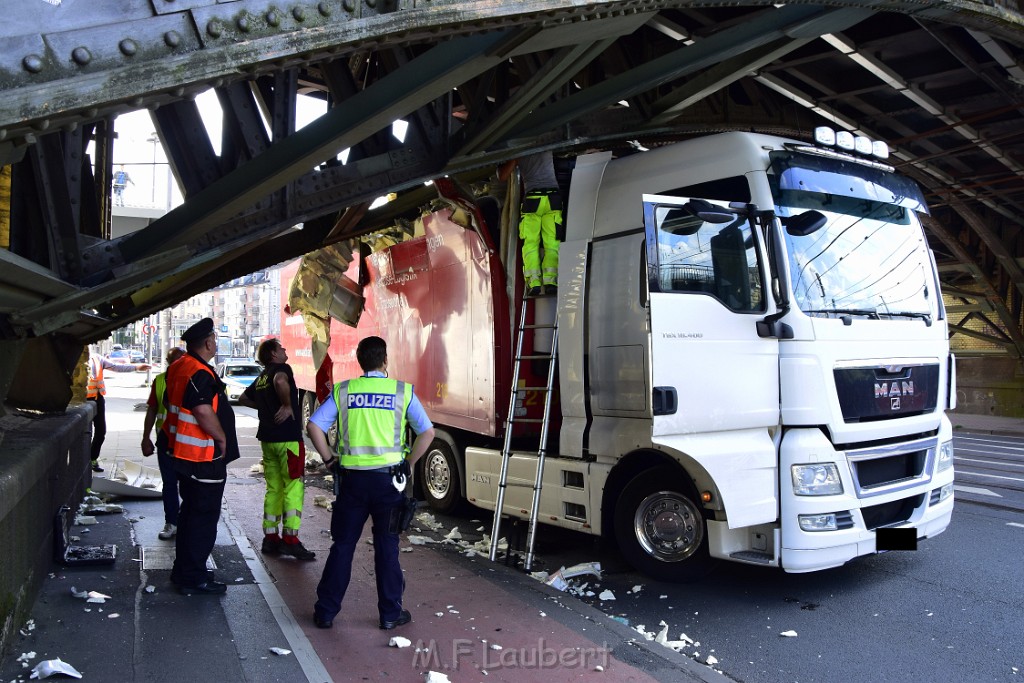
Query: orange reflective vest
[(185, 438), (96, 386)]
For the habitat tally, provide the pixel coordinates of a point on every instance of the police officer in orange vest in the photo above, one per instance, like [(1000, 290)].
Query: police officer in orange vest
[(95, 391), (200, 428)]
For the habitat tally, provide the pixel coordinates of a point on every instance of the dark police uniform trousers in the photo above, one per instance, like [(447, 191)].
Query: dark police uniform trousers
[(363, 493)]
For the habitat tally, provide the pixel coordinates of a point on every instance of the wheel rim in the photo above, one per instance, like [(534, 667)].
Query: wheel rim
[(438, 474), (668, 526)]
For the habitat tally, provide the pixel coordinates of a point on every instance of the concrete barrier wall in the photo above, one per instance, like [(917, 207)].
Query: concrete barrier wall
[(990, 386), (44, 464)]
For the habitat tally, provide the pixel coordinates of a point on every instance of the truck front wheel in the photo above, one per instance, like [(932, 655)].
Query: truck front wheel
[(660, 528), (440, 477)]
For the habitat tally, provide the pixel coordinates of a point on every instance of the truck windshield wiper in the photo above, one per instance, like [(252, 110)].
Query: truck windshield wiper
[(926, 317), (869, 312)]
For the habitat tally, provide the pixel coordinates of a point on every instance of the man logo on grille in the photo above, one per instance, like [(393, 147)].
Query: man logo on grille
[(894, 402)]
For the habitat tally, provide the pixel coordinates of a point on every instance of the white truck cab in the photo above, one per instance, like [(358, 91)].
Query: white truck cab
[(753, 359)]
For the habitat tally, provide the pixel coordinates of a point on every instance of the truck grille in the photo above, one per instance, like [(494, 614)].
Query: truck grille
[(896, 468), (894, 512), (882, 470), (882, 393)]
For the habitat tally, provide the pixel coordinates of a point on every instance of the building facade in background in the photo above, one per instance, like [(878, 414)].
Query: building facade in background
[(244, 311)]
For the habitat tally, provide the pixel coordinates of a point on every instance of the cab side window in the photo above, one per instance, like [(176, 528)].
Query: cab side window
[(717, 259)]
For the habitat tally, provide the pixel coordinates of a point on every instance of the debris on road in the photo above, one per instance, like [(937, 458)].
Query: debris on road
[(54, 666), (788, 634)]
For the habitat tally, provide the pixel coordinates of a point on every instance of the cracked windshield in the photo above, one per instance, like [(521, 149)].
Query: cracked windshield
[(869, 258)]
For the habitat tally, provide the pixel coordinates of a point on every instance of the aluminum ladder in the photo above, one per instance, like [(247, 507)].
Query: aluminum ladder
[(511, 420)]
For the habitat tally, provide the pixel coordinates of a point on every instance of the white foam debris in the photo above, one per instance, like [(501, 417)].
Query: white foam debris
[(420, 540), (662, 636), (323, 501), (399, 641), (454, 535), (711, 660), (435, 677), (405, 550), (54, 666), (280, 651), (788, 634), (113, 615), (495, 646), (83, 520), (635, 589), (151, 589), (598, 668), (257, 468), (427, 520), (606, 595)]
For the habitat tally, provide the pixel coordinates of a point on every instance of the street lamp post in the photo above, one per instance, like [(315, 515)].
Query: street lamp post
[(155, 139)]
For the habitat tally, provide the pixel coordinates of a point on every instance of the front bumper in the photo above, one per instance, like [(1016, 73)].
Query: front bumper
[(910, 502)]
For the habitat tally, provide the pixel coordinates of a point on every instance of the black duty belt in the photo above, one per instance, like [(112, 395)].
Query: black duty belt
[(543, 190)]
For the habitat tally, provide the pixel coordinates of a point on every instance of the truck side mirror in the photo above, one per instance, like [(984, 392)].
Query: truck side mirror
[(708, 212), (805, 223)]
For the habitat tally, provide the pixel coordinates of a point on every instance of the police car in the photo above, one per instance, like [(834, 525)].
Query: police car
[(237, 374)]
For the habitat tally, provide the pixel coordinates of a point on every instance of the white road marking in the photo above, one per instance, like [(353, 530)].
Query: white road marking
[(975, 489), (1015, 524), (990, 462), (992, 444), (993, 476)]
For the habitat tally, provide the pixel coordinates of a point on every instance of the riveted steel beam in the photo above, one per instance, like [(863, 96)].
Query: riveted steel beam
[(788, 21)]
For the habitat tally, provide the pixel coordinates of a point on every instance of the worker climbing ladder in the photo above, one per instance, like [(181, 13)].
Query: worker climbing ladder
[(512, 420)]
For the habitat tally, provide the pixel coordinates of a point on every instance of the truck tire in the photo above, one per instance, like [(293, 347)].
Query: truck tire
[(660, 529), (307, 403), (309, 406), (440, 476)]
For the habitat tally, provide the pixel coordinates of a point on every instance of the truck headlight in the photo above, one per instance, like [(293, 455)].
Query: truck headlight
[(945, 456), (826, 522), (816, 480)]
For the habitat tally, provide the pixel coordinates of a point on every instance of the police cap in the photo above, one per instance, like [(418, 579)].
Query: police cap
[(198, 332)]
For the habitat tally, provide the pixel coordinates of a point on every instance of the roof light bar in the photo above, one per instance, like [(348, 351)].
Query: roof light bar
[(844, 139)]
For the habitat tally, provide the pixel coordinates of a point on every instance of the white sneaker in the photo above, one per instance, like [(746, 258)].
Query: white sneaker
[(168, 533)]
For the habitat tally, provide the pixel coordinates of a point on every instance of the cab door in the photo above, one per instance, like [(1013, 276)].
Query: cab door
[(715, 381)]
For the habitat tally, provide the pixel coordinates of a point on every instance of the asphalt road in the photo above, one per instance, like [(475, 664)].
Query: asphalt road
[(949, 611)]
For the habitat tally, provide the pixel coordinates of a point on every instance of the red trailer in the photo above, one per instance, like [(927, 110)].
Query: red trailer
[(440, 301)]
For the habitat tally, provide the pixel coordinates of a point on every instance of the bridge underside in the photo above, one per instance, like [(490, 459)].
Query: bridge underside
[(477, 82)]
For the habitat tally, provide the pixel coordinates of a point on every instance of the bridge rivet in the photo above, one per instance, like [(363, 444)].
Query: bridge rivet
[(243, 24), (273, 18), (128, 47), (32, 63), (81, 55), (299, 13), (324, 9), (349, 6), (172, 39), (214, 28)]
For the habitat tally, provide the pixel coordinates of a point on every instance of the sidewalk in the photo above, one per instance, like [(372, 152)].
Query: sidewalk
[(473, 620), (987, 424)]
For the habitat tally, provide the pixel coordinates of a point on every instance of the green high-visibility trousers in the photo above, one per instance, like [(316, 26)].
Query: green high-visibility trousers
[(538, 226), (282, 504)]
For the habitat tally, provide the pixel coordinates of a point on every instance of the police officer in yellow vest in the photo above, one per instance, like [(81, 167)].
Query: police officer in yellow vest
[(200, 429), (156, 414), (374, 412)]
